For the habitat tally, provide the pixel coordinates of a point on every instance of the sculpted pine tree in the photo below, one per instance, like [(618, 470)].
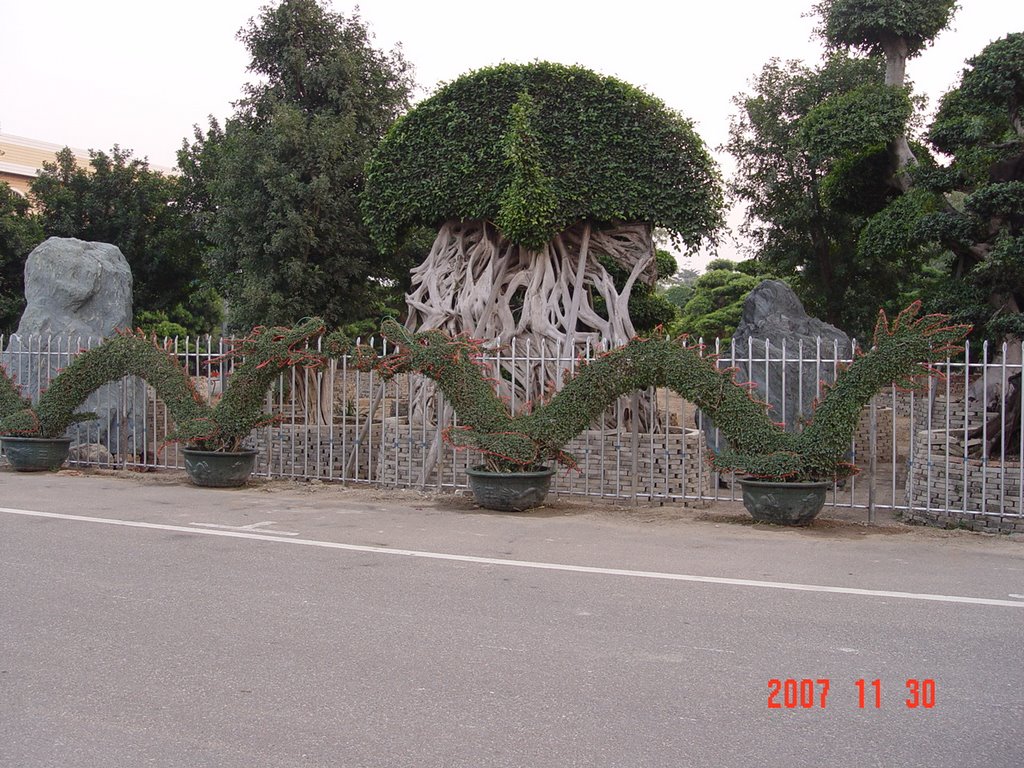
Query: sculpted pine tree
[(535, 177)]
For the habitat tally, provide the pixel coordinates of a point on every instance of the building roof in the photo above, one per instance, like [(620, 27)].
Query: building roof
[(21, 160)]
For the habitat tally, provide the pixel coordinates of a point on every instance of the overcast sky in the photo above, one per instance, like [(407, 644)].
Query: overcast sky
[(141, 73)]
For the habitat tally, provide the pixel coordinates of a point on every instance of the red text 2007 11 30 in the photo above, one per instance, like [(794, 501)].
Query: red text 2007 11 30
[(816, 693)]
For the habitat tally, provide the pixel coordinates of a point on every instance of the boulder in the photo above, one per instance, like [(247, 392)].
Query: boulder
[(91, 453), (77, 294), (774, 319), (75, 288)]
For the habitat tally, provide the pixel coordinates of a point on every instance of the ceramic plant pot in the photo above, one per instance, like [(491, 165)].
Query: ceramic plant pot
[(510, 491), (36, 454), (783, 503), (219, 469)]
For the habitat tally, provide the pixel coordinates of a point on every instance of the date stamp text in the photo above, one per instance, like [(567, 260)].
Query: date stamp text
[(814, 693)]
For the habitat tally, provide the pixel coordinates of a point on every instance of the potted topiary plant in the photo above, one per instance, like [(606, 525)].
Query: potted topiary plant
[(214, 455), (29, 445), (213, 435), (760, 450)]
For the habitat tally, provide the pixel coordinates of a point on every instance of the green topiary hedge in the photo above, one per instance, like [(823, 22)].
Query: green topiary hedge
[(902, 352), (262, 356), (758, 447), (536, 148)]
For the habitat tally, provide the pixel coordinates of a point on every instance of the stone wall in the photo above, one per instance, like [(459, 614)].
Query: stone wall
[(664, 465), (955, 406), (946, 490), (883, 436)]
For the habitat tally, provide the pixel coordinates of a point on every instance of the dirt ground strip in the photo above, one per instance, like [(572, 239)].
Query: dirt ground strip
[(833, 522)]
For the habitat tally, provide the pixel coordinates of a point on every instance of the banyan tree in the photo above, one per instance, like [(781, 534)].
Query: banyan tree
[(537, 179)]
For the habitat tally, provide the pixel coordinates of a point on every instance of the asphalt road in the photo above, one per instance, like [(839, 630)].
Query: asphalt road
[(145, 623)]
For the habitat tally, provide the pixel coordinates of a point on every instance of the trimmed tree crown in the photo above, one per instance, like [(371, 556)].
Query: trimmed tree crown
[(536, 148), (868, 25)]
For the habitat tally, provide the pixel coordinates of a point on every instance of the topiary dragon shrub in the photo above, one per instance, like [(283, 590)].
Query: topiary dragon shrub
[(257, 360), (903, 351)]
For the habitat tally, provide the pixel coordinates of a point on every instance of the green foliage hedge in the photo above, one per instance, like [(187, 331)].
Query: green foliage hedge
[(902, 352), (536, 148), (261, 357), (759, 447)]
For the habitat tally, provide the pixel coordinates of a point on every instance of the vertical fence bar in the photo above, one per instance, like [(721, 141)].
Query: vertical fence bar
[(346, 405), (984, 424), (929, 443), (894, 450), (1020, 430), (1004, 392), (784, 391), (835, 374), (854, 478), (949, 430), (872, 460), (587, 459), (966, 449)]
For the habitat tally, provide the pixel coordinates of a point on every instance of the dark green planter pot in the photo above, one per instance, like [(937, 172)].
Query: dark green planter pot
[(36, 454), (218, 469), (783, 503), (510, 491)]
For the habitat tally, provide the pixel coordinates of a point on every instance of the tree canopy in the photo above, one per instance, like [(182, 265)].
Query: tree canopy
[(536, 148), (809, 184), (20, 232), (276, 189), (872, 26), (978, 200), (118, 199), (897, 30)]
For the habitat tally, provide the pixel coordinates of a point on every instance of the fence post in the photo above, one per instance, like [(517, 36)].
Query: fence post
[(872, 461), (127, 383)]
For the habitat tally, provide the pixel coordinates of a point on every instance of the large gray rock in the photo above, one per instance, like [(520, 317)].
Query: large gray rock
[(774, 320), (76, 288), (77, 294)]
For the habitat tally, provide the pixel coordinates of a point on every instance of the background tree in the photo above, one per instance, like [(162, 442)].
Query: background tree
[(677, 288), (895, 29), (118, 199), (978, 208), (716, 304), (969, 209), (848, 131), (536, 179), (804, 206), (276, 190), (20, 232)]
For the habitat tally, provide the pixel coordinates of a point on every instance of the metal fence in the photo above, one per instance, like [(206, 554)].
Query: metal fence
[(927, 454)]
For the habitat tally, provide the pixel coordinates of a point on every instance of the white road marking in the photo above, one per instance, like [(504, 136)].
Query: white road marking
[(527, 563), (257, 527)]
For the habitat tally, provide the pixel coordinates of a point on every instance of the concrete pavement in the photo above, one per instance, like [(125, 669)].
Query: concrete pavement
[(292, 625)]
